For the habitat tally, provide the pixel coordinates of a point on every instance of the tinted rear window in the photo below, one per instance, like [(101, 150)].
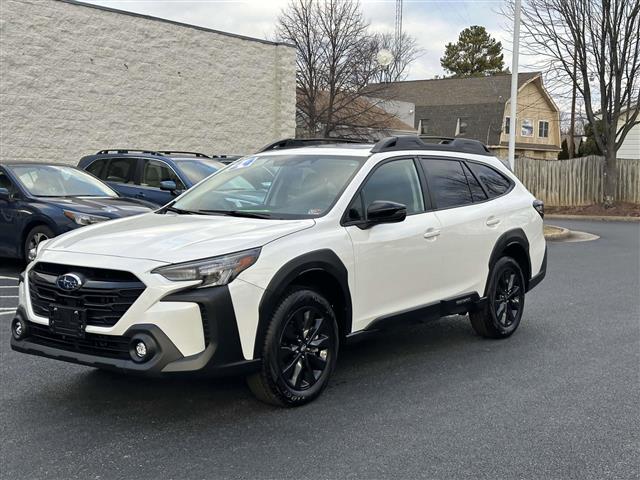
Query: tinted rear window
[(448, 183), (495, 183)]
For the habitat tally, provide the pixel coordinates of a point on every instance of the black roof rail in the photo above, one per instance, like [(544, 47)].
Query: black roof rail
[(412, 142), (305, 142), (128, 150), (179, 152)]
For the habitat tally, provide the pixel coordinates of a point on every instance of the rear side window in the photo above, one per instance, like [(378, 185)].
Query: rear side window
[(447, 182), (495, 183), (97, 168), (120, 170), (477, 193)]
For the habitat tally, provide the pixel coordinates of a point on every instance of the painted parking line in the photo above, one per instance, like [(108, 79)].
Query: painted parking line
[(9, 312), (2, 277)]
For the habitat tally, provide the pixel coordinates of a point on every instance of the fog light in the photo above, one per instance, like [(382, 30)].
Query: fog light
[(142, 347), (18, 328), (141, 350), (32, 254)]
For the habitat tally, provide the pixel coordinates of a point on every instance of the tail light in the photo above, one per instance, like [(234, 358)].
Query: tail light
[(539, 206)]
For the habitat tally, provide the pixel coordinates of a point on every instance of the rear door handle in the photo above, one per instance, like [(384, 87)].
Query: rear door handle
[(491, 221), (431, 233)]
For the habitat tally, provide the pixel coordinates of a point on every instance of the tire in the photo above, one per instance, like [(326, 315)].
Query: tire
[(299, 351), (502, 312), (34, 237)]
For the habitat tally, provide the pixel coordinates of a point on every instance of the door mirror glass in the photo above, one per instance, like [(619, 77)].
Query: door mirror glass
[(4, 194), (382, 211), (168, 185)]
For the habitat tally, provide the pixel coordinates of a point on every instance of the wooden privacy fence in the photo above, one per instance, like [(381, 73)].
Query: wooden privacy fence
[(577, 181)]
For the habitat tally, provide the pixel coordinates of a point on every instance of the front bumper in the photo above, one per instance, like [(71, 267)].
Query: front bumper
[(222, 353)]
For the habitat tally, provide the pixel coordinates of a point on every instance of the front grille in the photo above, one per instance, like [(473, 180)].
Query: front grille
[(106, 294), (91, 344)]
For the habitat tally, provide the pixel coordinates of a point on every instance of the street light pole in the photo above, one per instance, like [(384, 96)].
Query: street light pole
[(513, 123)]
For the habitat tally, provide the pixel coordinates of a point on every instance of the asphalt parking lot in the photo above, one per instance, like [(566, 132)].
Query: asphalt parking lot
[(560, 399)]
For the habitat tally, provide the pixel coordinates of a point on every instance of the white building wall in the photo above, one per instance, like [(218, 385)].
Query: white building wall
[(76, 79), (630, 148)]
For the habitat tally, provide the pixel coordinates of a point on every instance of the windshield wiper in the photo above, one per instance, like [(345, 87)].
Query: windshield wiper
[(238, 213), (179, 211)]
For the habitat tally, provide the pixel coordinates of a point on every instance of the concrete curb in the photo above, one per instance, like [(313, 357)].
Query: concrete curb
[(561, 235), (597, 218)]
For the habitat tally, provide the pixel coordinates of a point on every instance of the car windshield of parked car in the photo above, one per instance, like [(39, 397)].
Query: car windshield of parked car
[(273, 186), (60, 181), (197, 170)]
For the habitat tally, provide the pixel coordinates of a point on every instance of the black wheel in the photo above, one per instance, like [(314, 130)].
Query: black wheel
[(34, 237), (501, 314), (299, 351)]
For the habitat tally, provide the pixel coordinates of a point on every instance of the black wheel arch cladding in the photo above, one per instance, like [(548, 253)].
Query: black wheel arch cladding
[(324, 262), (513, 243)]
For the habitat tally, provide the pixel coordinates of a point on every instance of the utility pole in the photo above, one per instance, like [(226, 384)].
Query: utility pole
[(513, 123), (571, 146)]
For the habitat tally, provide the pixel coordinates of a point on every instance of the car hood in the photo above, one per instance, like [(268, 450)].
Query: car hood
[(175, 238), (111, 207)]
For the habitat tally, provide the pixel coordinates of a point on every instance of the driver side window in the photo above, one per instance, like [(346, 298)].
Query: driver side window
[(395, 181)]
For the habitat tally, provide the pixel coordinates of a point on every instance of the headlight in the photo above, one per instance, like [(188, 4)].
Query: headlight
[(211, 271), (32, 254), (84, 218)]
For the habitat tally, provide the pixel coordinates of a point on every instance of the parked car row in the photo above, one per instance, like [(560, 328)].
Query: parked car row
[(39, 201)]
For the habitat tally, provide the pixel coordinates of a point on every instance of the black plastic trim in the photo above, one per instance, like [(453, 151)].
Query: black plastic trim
[(320, 260), (452, 306), (536, 279)]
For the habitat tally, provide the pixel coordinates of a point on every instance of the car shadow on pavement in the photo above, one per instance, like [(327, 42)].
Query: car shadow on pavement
[(382, 358)]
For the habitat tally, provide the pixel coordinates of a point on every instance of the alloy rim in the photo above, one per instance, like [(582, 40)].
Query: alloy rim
[(508, 298), (305, 348), (36, 239)]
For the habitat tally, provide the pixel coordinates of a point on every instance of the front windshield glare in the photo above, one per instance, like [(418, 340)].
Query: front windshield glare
[(274, 186), (60, 181)]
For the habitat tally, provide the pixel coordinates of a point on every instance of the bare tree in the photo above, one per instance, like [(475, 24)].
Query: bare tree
[(336, 65), (601, 38)]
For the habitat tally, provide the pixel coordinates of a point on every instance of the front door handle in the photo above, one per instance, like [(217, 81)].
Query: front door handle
[(431, 233), (140, 195), (492, 221)]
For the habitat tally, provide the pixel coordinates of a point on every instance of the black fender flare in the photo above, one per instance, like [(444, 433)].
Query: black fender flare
[(324, 260), (512, 237)]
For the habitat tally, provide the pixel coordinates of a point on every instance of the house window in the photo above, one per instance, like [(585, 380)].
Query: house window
[(424, 126), (526, 129), (543, 129), (507, 123), (461, 127)]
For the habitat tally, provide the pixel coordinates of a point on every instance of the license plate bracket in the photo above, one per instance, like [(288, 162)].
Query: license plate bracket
[(67, 321)]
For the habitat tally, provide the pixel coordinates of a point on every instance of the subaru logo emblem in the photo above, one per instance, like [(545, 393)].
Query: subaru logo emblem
[(69, 282)]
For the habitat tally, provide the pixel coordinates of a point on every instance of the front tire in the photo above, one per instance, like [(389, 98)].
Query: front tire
[(34, 237), (299, 351), (502, 312)]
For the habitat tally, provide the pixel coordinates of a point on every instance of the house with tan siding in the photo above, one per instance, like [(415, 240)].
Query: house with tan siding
[(478, 108)]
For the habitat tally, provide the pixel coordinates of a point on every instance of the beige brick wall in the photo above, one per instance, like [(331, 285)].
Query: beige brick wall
[(75, 80)]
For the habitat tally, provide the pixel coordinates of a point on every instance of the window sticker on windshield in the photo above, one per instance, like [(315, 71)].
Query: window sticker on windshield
[(314, 211), (244, 163)]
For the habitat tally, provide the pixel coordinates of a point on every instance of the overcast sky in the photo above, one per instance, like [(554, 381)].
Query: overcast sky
[(433, 23)]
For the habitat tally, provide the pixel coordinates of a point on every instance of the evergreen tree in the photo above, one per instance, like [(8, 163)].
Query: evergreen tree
[(475, 53), (564, 154)]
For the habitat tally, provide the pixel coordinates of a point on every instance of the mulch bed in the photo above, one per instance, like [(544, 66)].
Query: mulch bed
[(619, 210)]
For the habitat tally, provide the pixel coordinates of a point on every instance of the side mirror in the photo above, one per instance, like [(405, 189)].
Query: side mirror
[(168, 185), (382, 211), (4, 194)]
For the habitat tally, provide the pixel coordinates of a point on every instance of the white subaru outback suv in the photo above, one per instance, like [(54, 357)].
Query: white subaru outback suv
[(266, 267)]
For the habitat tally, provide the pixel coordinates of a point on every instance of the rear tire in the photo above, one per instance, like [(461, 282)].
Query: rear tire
[(299, 351), (502, 312), (34, 237)]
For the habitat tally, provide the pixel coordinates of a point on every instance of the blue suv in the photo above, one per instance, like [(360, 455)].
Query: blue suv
[(154, 176)]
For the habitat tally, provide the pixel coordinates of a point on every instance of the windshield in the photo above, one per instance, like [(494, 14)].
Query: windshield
[(197, 170), (279, 186), (60, 181)]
